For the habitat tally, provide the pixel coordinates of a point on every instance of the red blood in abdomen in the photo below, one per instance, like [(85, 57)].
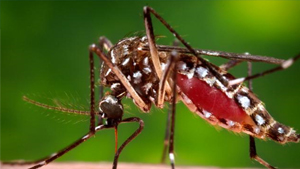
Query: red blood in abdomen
[(211, 99)]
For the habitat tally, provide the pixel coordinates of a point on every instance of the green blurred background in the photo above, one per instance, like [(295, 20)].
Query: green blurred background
[(44, 54)]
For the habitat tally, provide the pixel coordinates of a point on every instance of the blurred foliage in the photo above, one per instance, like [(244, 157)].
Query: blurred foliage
[(44, 54)]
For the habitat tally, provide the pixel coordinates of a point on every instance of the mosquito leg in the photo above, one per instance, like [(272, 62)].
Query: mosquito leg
[(105, 43), (283, 66), (92, 93), (154, 54), (54, 156), (137, 132), (253, 154), (151, 41), (230, 64), (148, 24), (138, 100), (170, 67), (167, 136), (173, 110)]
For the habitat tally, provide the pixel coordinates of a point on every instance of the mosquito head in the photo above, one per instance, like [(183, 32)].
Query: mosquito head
[(111, 108)]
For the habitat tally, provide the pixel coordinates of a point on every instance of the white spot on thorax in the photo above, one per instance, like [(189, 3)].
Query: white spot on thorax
[(147, 87), (144, 38), (137, 77), (125, 61), (260, 120), (129, 78), (147, 70), (163, 66), (125, 48), (108, 71), (146, 61), (115, 85), (244, 101), (113, 58), (201, 71)]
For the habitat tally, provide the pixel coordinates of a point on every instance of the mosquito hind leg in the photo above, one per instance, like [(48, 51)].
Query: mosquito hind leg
[(286, 64), (252, 149), (230, 64)]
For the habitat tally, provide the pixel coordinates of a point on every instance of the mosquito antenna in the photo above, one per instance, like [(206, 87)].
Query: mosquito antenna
[(61, 109)]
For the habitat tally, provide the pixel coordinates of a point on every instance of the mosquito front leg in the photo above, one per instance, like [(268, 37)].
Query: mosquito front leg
[(154, 56), (54, 156)]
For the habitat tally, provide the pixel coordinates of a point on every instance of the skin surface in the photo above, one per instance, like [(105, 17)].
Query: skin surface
[(78, 165)]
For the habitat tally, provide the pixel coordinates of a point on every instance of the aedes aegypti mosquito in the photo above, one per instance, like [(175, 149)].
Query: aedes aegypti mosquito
[(154, 74)]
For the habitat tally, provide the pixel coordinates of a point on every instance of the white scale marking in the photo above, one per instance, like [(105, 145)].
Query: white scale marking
[(42, 163), (206, 114), (244, 101), (280, 130), (190, 74), (223, 88), (201, 71), (230, 123), (287, 63), (146, 61), (115, 85), (86, 136), (125, 61), (125, 48), (147, 70), (172, 158), (99, 127), (137, 77), (257, 130), (113, 59), (259, 119), (210, 81), (108, 71)]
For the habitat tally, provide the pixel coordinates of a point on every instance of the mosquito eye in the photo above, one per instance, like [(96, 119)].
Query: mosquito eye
[(111, 107)]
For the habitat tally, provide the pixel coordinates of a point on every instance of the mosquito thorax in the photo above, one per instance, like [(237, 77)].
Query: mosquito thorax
[(136, 65), (110, 107)]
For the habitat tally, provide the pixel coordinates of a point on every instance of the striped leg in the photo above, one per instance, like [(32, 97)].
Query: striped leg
[(282, 66), (54, 156)]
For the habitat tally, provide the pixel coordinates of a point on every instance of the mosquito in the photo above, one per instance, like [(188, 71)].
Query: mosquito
[(151, 74)]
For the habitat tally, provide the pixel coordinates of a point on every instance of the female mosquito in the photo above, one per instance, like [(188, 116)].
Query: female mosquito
[(149, 74)]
